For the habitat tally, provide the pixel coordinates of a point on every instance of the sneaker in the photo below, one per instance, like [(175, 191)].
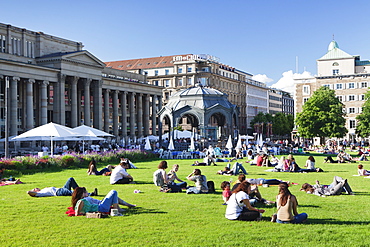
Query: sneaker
[(95, 193)]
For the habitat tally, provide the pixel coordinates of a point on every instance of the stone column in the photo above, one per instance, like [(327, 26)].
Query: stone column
[(87, 102), (74, 103), (29, 104), (56, 102), (124, 115), (132, 115), (13, 88), (140, 115), (154, 115), (62, 102), (106, 110), (146, 114), (44, 102), (97, 106), (115, 112), (160, 122)]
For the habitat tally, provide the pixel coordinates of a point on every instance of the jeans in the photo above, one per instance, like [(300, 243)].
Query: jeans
[(181, 185), (338, 185), (104, 170), (110, 199), (237, 167), (299, 218), (66, 190)]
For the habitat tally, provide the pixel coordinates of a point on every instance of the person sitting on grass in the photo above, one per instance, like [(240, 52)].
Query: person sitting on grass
[(83, 204), (94, 171), (161, 180), (254, 193), (361, 171), (287, 206), (200, 183), (120, 175), (239, 207), (172, 176), (226, 193), (338, 186)]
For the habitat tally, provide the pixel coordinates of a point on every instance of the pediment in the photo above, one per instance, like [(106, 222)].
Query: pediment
[(84, 57)]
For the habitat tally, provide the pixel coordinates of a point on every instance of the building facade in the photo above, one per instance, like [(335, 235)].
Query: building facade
[(344, 73), (179, 72), (52, 79)]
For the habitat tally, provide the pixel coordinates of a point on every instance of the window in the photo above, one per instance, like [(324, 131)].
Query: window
[(351, 85), (326, 85), (335, 64), (30, 49), (352, 124), (364, 84), (189, 69), (205, 69), (340, 97), (179, 70), (2, 43), (155, 72), (167, 96), (335, 71), (16, 45), (166, 72), (305, 100), (155, 82), (166, 83), (339, 86), (351, 110), (351, 97), (190, 81), (203, 81), (306, 89), (179, 82), (362, 96)]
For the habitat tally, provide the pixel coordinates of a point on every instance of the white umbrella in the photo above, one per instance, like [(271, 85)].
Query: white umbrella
[(147, 144), (238, 144), (86, 130), (192, 145), (246, 137), (153, 138), (260, 140), (229, 144), (171, 146), (51, 130)]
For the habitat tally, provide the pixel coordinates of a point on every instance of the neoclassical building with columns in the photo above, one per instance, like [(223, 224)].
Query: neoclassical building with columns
[(52, 79)]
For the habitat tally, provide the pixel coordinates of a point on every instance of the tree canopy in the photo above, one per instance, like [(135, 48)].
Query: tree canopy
[(282, 124), (322, 115), (363, 125)]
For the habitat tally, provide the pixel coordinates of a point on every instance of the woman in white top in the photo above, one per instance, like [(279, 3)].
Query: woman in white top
[(239, 207), (361, 171), (310, 164)]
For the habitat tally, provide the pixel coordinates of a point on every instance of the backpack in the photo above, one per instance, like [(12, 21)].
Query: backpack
[(158, 178), (211, 187)]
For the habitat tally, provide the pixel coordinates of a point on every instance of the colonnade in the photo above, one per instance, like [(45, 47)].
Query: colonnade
[(72, 101)]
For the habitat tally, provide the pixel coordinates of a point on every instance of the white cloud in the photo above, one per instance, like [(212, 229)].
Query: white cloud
[(262, 78), (286, 83)]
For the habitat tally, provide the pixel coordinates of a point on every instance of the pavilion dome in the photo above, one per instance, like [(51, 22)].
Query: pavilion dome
[(198, 97)]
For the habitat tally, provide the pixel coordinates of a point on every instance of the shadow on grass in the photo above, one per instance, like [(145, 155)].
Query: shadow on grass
[(334, 222), (140, 210)]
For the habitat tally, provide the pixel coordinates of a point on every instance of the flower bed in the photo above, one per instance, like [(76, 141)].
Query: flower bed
[(74, 159)]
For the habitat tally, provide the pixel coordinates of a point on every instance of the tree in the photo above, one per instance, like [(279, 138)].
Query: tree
[(363, 126), (282, 124), (322, 116)]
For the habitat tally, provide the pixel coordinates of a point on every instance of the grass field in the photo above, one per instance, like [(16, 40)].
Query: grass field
[(178, 219)]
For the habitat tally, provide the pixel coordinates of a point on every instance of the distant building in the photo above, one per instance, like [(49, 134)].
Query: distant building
[(54, 80), (344, 73), (183, 71)]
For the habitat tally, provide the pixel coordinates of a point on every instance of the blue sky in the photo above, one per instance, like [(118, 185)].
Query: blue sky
[(259, 37)]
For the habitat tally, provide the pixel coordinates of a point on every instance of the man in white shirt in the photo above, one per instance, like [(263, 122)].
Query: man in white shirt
[(119, 174), (53, 191)]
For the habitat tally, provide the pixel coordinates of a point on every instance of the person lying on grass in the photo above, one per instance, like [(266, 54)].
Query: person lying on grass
[(7, 181), (287, 206), (338, 186), (239, 207), (94, 171), (66, 190), (83, 204)]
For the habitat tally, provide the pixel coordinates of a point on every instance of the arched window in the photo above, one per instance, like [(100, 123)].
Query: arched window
[(335, 64)]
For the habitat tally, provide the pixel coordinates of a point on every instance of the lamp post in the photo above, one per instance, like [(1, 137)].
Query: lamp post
[(6, 117)]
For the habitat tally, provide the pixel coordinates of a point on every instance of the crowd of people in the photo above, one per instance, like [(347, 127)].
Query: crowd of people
[(241, 197)]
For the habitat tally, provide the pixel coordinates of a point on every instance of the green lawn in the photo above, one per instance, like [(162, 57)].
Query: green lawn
[(178, 219)]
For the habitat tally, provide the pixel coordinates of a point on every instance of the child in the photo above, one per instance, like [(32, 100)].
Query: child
[(226, 193)]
